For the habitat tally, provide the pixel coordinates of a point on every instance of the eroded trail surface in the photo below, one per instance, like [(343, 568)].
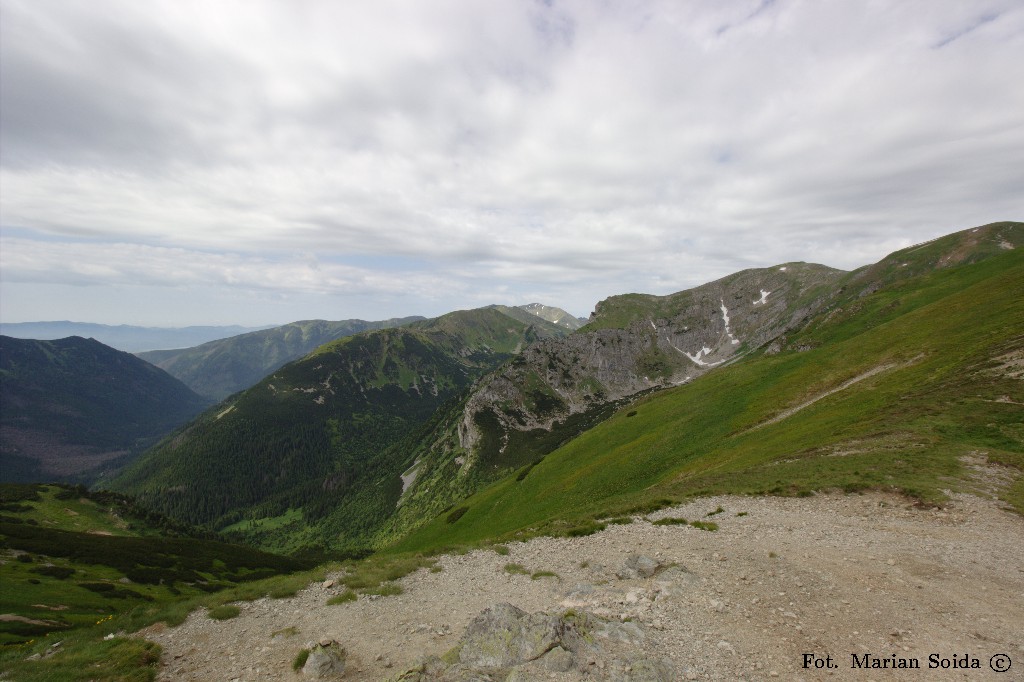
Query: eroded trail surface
[(830, 575)]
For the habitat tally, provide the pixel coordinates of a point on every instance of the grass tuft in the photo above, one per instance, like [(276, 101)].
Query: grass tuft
[(386, 590), (224, 612), (346, 596), (704, 525)]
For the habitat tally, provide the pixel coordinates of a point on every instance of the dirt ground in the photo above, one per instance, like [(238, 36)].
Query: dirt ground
[(783, 582)]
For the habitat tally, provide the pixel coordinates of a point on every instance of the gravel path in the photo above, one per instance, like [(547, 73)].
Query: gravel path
[(829, 575)]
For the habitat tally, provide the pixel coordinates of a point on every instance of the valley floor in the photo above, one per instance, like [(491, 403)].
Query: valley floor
[(831, 575)]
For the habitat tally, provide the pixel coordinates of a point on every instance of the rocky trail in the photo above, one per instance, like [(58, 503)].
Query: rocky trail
[(854, 578)]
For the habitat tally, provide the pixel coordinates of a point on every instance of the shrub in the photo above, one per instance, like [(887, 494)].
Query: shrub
[(300, 660), (537, 575), (59, 572), (457, 514), (584, 530), (97, 587), (671, 521)]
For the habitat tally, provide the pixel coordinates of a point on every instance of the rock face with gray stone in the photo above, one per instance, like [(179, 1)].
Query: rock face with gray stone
[(506, 643), (326, 661), (503, 636)]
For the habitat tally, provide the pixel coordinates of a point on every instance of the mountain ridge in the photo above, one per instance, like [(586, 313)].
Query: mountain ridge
[(222, 367), (887, 390), (71, 405)]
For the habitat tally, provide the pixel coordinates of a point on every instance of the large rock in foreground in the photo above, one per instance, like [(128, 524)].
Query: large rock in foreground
[(506, 643)]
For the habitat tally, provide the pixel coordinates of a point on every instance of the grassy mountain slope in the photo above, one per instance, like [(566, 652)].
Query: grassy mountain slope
[(79, 566), (73, 557), (302, 458), (559, 388), (71, 405), (892, 387), (219, 368)]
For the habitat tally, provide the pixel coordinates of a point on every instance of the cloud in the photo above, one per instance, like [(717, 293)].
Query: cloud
[(99, 264), (571, 149)]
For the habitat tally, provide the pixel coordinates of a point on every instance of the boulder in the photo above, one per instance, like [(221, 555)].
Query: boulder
[(628, 632), (326, 661), (504, 636), (505, 643), (639, 566)]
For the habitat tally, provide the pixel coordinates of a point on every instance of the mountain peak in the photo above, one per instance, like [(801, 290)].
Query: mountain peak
[(555, 315)]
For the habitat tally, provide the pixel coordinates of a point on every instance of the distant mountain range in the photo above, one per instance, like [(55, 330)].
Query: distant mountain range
[(72, 406), (220, 368), (504, 421), (217, 369), (122, 337), (355, 445), (324, 434)]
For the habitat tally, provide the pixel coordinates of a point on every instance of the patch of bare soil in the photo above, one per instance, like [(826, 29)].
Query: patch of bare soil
[(834, 577)]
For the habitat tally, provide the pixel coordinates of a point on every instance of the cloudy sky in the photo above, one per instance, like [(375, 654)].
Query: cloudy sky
[(256, 161)]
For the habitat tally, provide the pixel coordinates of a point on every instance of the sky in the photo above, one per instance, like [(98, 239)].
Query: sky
[(167, 163)]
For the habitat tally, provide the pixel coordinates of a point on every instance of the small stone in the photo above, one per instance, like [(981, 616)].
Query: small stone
[(557, 660)]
